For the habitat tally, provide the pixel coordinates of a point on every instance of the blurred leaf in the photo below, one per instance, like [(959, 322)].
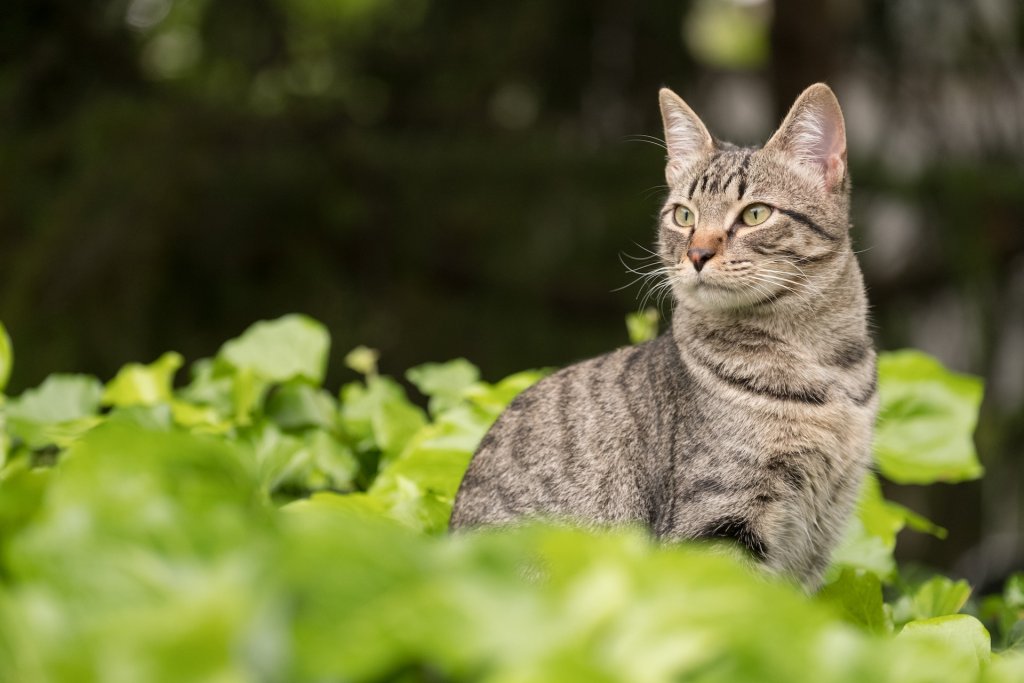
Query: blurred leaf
[(858, 597), (297, 405), (282, 349), (926, 420), (960, 640), (363, 360), (444, 383), (642, 325), (380, 415), (493, 398), (727, 34), (870, 536), (137, 384), (57, 411), (938, 596), (60, 398), (6, 357)]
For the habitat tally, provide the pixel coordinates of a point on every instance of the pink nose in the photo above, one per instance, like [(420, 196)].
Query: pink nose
[(699, 256)]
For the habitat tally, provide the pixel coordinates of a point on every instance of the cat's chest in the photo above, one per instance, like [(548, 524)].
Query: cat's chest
[(751, 422)]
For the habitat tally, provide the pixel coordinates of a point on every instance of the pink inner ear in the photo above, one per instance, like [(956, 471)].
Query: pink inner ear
[(818, 140)]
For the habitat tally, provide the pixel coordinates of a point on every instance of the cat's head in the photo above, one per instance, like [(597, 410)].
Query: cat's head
[(750, 228)]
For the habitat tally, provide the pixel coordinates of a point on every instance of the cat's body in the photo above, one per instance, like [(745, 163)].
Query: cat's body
[(752, 417)]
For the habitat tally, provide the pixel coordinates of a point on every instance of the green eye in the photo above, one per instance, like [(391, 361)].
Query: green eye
[(756, 214), (683, 217)]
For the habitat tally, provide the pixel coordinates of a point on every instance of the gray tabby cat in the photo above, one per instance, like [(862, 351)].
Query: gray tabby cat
[(751, 419)]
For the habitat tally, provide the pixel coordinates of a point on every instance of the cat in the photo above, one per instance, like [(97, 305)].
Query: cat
[(751, 418)]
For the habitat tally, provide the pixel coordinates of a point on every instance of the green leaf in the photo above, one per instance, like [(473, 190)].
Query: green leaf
[(926, 420), (282, 349), (363, 360), (60, 398), (444, 383), (936, 597), (494, 398), (6, 357), (137, 384), (858, 597), (379, 414), (959, 640), (58, 411), (297, 405), (642, 325)]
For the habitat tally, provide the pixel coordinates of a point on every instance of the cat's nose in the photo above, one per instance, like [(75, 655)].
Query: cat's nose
[(699, 256)]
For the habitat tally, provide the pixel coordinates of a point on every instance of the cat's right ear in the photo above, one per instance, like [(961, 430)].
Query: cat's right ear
[(686, 137)]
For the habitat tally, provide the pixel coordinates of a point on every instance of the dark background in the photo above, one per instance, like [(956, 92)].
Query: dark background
[(459, 178)]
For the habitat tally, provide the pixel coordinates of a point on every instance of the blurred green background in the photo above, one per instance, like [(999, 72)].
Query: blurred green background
[(441, 179)]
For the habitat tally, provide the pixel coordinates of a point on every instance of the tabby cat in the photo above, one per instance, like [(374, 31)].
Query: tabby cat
[(751, 418)]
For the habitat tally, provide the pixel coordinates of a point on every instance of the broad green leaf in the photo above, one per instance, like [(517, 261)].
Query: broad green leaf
[(57, 412), (936, 597), (297, 405), (494, 398), (60, 398), (642, 325), (379, 415), (959, 639), (137, 384), (6, 357), (926, 420), (858, 597), (870, 536), (363, 360), (280, 350), (444, 383)]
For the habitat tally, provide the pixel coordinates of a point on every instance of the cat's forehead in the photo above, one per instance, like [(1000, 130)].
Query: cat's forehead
[(724, 171)]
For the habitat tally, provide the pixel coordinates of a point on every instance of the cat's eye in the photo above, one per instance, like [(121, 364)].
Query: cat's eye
[(756, 214), (683, 217)]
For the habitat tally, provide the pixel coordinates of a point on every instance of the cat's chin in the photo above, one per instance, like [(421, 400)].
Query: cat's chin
[(712, 296)]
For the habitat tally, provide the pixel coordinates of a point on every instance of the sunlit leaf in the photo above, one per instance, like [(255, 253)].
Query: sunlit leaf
[(926, 420), (6, 357), (137, 384), (282, 349), (642, 325), (444, 383)]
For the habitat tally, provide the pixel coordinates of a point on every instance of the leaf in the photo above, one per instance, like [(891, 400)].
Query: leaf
[(363, 360), (283, 349), (858, 597), (444, 383), (494, 398), (960, 640), (642, 325), (379, 414), (6, 357), (60, 398), (938, 596), (926, 420), (57, 412), (137, 384), (870, 537), (297, 405)]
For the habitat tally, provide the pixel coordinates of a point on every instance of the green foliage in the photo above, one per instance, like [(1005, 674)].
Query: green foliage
[(926, 418), (251, 525)]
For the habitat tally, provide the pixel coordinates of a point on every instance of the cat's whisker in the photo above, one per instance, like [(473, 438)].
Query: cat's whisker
[(649, 139)]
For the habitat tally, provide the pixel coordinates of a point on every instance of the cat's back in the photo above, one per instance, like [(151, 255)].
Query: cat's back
[(578, 444)]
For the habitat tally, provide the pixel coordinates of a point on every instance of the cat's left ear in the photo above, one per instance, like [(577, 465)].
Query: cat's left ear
[(814, 134)]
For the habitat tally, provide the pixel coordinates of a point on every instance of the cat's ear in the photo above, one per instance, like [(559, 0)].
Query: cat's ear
[(686, 137), (814, 134)]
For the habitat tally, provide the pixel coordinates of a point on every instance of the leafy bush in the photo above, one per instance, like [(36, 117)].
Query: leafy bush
[(252, 526)]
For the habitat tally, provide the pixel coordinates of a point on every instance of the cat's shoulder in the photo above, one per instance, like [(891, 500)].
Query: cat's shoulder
[(624, 366)]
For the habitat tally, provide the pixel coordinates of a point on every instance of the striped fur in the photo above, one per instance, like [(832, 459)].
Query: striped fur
[(751, 418)]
